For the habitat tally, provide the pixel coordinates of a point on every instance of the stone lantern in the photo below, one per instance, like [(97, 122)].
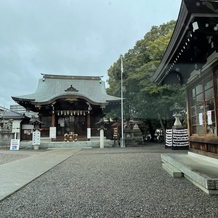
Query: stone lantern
[(36, 132), (102, 128), (176, 113)]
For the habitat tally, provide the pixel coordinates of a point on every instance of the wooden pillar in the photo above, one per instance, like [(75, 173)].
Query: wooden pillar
[(53, 120), (88, 127)]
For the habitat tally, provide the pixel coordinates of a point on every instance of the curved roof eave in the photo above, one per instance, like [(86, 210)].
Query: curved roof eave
[(105, 100), (22, 99), (68, 96), (188, 11)]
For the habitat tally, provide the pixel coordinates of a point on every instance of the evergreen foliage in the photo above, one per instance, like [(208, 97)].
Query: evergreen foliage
[(145, 100)]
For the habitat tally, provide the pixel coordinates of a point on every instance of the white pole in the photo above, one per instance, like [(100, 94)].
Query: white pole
[(101, 138), (122, 144)]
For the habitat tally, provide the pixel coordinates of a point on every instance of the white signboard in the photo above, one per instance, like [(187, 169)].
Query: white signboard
[(88, 133), (36, 137), (16, 126), (200, 117), (209, 118), (169, 140), (176, 137), (180, 137), (15, 144), (52, 134)]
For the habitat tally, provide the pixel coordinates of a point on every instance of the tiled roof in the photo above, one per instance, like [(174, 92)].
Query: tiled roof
[(52, 87)]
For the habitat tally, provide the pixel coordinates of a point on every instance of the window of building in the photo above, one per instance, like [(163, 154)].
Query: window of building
[(202, 108)]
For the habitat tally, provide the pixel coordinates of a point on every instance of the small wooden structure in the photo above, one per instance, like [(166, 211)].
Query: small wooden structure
[(10, 122)]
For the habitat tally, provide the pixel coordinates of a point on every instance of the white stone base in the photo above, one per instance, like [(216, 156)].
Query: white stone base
[(36, 147)]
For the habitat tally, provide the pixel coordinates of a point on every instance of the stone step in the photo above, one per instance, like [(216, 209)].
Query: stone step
[(199, 171), (78, 144), (96, 138), (174, 172)]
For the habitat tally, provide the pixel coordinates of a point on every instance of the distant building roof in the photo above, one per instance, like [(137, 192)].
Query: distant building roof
[(52, 87), (18, 108), (3, 108), (9, 114)]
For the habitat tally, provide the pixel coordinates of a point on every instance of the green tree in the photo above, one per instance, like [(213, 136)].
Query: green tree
[(143, 99)]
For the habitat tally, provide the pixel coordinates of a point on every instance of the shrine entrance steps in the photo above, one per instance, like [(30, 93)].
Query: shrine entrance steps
[(202, 171), (44, 144)]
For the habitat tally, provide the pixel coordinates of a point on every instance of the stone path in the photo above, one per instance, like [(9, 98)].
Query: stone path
[(16, 174)]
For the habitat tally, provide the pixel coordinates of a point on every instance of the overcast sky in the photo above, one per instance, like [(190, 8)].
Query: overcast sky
[(70, 37)]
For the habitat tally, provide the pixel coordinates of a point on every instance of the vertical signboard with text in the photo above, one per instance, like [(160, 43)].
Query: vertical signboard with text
[(15, 144), (52, 133), (36, 137)]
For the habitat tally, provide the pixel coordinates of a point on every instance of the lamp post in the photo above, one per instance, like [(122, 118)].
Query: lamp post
[(89, 123), (122, 142), (102, 128), (36, 136), (1, 121)]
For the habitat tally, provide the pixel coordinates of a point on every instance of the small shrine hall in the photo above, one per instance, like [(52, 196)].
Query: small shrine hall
[(72, 104)]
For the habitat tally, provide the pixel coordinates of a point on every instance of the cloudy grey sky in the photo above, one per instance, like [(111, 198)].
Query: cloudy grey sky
[(71, 37)]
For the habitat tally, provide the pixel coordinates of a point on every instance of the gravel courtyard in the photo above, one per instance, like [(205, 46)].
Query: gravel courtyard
[(128, 182)]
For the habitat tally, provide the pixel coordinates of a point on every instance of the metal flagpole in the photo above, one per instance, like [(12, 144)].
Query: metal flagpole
[(122, 143)]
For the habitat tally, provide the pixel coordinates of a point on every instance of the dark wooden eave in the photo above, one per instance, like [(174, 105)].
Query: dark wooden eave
[(189, 48)]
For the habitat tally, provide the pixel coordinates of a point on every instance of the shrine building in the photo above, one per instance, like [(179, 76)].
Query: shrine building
[(191, 58), (72, 104)]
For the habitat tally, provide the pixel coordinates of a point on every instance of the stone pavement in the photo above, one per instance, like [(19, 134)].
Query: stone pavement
[(16, 174), (113, 182), (30, 164)]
